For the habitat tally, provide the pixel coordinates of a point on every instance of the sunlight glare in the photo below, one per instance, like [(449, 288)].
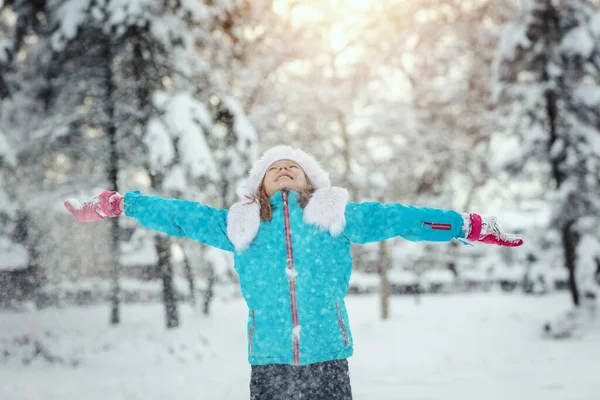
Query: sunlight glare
[(360, 4)]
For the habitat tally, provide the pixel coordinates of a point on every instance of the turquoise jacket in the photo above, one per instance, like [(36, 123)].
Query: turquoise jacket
[(294, 276)]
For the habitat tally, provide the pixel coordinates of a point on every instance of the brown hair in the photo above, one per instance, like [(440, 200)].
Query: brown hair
[(266, 211)]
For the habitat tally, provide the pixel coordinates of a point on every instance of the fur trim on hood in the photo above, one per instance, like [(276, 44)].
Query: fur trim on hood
[(326, 207)]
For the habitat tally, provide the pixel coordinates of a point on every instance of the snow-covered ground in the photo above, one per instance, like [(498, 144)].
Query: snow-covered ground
[(484, 346)]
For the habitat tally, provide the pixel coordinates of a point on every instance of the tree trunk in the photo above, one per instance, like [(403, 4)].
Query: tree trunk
[(347, 152), (112, 168), (27, 234), (558, 175), (163, 249), (4, 91), (210, 285), (115, 293), (384, 266), (569, 240), (190, 278), (162, 243), (419, 287), (143, 90), (568, 236)]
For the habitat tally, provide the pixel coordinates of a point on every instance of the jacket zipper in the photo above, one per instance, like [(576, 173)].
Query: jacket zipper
[(438, 226), (341, 321), (252, 331), (291, 273)]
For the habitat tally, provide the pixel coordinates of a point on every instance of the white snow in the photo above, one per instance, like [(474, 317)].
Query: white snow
[(69, 15), (185, 119), (595, 24), (402, 277), (6, 151), (5, 50), (196, 10), (123, 13), (513, 273), (557, 273), (578, 41), (525, 5), (514, 219), (247, 136), (184, 109), (378, 180), (513, 36), (589, 95), (474, 275), (467, 347), (6, 206), (296, 332), (587, 254), (12, 255), (140, 250), (175, 180), (131, 290), (158, 141), (221, 261), (365, 282), (291, 273)]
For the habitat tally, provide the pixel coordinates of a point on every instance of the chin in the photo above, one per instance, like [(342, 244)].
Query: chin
[(288, 187)]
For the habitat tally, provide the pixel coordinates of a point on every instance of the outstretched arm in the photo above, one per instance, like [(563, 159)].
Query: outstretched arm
[(170, 216), (180, 218), (373, 221)]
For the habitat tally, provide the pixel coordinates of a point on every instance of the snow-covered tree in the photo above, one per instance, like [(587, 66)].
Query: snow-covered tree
[(392, 97), (199, 140), (18, 19), (15, 256), (116, 88), (549, 65)]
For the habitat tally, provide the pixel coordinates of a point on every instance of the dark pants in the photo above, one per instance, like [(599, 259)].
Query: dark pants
[(327, 380)]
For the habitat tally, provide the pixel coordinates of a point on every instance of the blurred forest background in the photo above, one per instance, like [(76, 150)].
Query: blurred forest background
[(490, 106)]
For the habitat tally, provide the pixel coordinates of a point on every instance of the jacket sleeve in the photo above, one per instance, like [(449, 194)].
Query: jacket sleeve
[(373, 222), (180, 218)]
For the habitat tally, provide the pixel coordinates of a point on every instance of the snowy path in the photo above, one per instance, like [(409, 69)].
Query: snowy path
[(450, 347)]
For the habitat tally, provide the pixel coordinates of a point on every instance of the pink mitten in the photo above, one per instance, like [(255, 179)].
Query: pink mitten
[(486, 230), (102, 205)]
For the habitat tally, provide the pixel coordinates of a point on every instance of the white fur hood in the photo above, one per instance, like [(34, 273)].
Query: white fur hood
[(326, 209)]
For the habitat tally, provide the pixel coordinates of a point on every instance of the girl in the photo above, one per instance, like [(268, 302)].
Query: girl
[(291, 234)]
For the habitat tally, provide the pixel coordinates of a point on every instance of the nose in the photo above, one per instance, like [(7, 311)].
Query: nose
[(282, 167)]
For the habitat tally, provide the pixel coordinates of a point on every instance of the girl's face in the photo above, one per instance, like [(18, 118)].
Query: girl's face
[(284, 174)]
